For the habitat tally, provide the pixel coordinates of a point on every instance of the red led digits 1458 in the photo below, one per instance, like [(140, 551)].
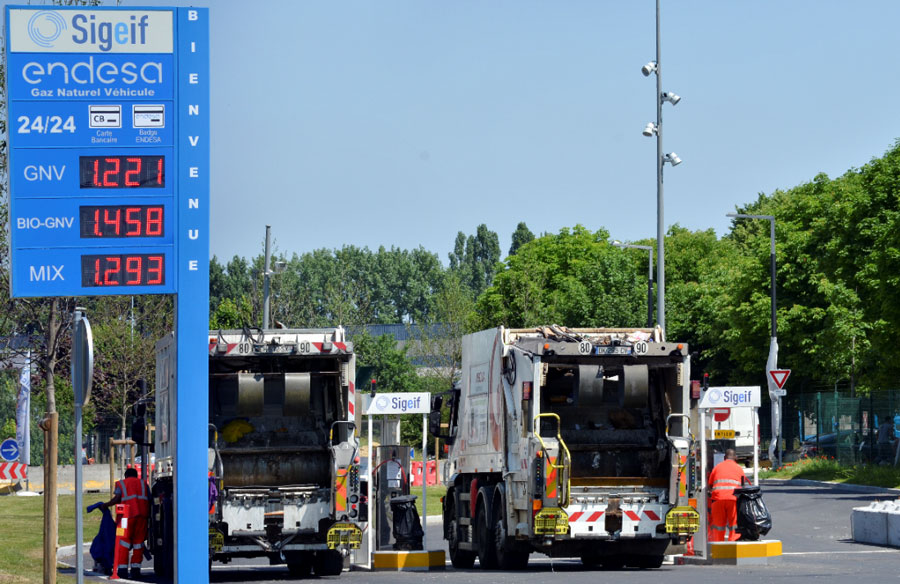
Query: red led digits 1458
[(112, 221)]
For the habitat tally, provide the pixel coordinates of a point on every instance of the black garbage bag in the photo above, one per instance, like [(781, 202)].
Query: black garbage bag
[(753, 517), (408, 532)]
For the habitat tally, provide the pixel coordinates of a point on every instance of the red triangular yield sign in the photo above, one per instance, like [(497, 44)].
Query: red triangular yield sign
[(779, 376)]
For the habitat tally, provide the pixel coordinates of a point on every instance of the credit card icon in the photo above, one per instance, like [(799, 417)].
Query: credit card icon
[(148, 116)]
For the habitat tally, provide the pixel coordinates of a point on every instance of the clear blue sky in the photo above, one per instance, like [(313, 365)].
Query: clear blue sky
[(402, 122)]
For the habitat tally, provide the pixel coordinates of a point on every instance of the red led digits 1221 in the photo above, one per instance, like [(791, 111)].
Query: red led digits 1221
[(122, 172)]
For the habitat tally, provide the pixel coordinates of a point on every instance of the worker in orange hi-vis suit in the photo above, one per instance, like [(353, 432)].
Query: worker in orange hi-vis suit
[(133, 492), (723, 480)]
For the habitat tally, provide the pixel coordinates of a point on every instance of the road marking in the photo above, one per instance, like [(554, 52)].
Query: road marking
[(839, 552)]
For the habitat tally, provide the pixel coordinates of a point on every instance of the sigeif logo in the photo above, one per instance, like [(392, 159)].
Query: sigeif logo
[(90, 31), (45, 27), (381, 403)]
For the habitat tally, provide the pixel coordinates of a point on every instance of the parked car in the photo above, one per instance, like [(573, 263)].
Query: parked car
[(828, 444)]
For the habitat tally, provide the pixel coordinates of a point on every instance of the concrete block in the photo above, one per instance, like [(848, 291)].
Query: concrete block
[(739, 553), (893, 525), (869, 524)]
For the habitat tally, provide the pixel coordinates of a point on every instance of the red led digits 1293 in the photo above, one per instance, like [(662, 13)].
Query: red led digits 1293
[(141, 269), (122, 172), (121, 221)]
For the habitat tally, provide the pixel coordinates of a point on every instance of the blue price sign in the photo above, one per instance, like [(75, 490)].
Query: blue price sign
[(96, 125)]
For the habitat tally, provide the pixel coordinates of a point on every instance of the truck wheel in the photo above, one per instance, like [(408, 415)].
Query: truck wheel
[(508, 558), (328, 563), (647, 562), (613, 562), (484, 540), (299, 564), (461, 559)]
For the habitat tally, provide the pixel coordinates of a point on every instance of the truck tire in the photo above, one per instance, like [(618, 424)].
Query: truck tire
[(508, 557), (646, 562), (328, 563), (461, 559), (484, 539), (299, 564)]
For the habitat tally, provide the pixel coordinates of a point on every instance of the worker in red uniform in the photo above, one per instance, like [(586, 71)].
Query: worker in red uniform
[(133, 492), (727, 476)]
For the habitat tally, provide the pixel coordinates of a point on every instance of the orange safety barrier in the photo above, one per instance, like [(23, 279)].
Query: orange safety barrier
[(123, 545), (430, 470)]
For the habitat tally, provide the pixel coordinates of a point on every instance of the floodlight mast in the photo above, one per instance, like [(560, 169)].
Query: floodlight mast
[(651, 130)]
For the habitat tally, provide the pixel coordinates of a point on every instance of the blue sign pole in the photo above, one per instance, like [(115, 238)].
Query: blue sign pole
[(192, 305)]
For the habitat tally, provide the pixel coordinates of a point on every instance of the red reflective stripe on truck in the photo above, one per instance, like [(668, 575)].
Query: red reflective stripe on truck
[(632, 515), (351, 400), (651, 515), (595, 516), (575, 516)]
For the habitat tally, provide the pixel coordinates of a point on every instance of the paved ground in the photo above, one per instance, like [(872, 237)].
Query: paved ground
[(812, 521)]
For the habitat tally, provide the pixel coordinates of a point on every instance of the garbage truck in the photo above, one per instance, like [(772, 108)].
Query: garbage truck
[(283, 450), (569, 442)]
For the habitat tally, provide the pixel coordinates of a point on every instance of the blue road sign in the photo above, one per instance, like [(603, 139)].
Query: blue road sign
[(9, 450), (109, 189)]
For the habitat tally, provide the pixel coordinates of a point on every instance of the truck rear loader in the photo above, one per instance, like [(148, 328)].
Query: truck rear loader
[(569, 442), (283, 464)]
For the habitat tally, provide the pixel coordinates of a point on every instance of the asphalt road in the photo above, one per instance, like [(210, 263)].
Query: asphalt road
[(813, 523)]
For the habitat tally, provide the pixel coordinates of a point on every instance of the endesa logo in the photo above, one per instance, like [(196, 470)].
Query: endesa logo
[(91, 31)]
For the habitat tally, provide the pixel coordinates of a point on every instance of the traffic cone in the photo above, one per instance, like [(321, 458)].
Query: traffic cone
[(123, 543)]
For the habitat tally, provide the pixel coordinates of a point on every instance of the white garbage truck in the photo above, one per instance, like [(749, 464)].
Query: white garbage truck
[(570, 442), (283, 462)]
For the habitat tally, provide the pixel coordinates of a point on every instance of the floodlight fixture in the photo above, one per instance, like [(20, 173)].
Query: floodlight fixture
[(649, 130), (670, 97), (672, 159), (649, 68)]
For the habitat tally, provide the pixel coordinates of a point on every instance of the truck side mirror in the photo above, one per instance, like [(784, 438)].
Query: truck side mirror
[(434, 423), (138, 431)]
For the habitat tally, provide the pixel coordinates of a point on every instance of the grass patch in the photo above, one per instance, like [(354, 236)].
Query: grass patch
[(434, 495), (828, 469), (22, 534)]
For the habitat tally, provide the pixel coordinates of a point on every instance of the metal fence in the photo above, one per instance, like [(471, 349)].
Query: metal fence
[(833, 424)]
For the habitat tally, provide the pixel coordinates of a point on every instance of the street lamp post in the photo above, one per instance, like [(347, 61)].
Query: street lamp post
[(649, 248), (773, 345), (661, 159)]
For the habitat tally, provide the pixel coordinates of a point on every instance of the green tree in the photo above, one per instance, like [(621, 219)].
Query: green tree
[(573, 278), (474, 258), (232, 315), (520, 237)]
